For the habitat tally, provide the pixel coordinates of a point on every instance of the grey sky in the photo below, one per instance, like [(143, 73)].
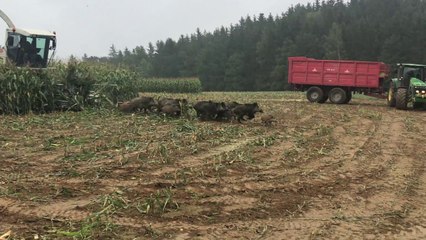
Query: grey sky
[(92, 26)]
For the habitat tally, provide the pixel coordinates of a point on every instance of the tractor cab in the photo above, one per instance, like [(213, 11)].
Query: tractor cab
[(408, 72), (32, 48)]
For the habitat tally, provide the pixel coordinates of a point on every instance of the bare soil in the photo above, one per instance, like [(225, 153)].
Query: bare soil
[(327, 171)]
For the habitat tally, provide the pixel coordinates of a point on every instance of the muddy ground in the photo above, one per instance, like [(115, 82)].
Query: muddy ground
[(353, 171)]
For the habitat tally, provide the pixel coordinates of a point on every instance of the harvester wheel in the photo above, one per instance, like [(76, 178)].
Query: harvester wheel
[(337, 96), (315, 95), (401, 99), (391, 97)]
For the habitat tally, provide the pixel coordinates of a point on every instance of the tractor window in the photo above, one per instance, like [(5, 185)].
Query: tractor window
[(415, 72), (409, 69)]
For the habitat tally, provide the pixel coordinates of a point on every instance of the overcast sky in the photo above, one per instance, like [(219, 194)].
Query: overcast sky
[(92, 26)]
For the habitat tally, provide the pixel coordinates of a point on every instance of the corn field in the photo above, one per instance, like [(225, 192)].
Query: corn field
[(171, 85), (74, 86), (24, 90)]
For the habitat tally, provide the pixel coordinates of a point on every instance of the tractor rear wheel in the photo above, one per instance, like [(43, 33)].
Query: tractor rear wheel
[(401, 99), (391, 96), (337, 96), (315, 95)]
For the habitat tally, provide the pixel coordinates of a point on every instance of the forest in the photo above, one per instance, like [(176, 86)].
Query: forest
[(251, 55)]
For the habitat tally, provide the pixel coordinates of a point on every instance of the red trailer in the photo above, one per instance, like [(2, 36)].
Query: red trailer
[(336, 79)]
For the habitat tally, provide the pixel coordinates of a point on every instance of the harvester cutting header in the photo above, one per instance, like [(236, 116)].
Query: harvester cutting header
[(27, 47)]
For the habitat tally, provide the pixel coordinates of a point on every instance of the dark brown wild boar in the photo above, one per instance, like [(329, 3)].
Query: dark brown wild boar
[(248, 109), (143, 104), (171, 110)]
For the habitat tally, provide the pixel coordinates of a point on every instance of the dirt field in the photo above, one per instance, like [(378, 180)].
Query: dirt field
[(321, 172)]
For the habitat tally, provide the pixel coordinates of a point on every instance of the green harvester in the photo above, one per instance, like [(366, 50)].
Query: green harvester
[(408, 87)]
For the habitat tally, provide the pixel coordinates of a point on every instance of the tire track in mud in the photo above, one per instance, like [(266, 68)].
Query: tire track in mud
[(70, 209), (393, 175), (63, 211), (345, 171), (66, 210), (378, 163), (293, 228), (277, 228), (357, 159), (247, 187), (233, 202), (58, 210), (347, 145), (411, 233), (326, 173), (31, 165), (414, 184), (200, 160)]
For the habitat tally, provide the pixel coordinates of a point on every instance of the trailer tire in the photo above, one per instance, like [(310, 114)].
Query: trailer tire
[(391, 96), (325, 96), (315, 95), (401, 99), (348, 97), (337, 96)]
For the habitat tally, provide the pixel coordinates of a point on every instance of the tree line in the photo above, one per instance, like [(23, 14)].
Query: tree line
[(251, 55)]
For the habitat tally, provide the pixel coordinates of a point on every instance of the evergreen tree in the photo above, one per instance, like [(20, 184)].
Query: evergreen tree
[(333, 43), (234, 72), (112, 52), (252, 54)]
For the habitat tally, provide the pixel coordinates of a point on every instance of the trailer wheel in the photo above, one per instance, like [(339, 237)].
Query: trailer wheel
[(325, 96), (337, 96), (391, 96), (315, 95), (348, 97), (401, 99)]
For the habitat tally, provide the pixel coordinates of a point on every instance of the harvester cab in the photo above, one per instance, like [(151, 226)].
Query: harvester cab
[(27, 47), (408, 86)]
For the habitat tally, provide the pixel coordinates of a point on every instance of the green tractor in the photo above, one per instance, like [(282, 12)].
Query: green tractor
[(409, 86)]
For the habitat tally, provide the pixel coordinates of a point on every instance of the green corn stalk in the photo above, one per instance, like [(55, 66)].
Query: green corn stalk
[(170, 85), (72, 86)]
